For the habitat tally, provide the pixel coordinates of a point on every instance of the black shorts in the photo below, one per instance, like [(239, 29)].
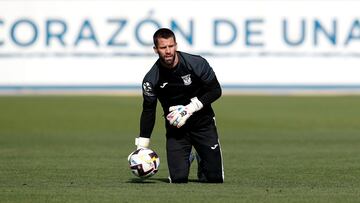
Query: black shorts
[(203, 136)]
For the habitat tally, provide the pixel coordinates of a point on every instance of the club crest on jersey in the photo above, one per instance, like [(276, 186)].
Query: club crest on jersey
[(186, 79), (147, 88)]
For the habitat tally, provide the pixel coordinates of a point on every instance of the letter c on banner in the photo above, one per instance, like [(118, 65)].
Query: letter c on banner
[(1, 23)]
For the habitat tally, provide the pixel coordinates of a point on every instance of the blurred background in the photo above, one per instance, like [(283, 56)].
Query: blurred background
[(106, 46)]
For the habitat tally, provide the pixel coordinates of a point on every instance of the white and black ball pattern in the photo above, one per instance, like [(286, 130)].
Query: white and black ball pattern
[(144, 162)]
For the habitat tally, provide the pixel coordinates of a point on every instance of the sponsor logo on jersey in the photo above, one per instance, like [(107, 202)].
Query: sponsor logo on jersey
[(215, 146), (163, 85)]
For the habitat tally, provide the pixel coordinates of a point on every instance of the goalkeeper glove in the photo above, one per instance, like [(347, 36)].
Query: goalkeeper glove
[(179, 114)]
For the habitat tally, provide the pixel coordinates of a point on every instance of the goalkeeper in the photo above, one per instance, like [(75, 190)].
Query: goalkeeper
[(186, 86)]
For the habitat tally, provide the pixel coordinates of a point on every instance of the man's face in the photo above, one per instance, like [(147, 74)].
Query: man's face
[(166, 49)]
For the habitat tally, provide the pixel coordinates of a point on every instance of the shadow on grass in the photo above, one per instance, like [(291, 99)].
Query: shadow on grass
[(147, 181), (155, 180)]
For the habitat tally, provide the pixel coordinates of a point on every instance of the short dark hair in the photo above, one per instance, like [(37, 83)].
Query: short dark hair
[(163, 33)]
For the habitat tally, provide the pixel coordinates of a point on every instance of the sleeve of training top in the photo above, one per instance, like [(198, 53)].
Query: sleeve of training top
[(148, 115), (212, 85)]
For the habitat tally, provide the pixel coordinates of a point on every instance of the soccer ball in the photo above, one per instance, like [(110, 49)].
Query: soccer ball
[(144, 162)]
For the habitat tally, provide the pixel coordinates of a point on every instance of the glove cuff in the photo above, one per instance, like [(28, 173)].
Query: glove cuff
[(142, 142), (195, 105)]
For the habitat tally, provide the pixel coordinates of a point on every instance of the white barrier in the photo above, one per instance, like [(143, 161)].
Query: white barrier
[(250, 44)]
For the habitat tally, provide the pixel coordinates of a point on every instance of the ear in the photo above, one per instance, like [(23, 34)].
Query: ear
[(155, 50)]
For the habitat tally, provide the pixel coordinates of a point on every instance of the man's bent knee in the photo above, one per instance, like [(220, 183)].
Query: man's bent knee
[(212, 178), (179, 176), (178, 179)]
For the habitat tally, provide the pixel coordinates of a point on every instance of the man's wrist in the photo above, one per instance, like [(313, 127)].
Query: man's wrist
[(195, 105), (142, 142)]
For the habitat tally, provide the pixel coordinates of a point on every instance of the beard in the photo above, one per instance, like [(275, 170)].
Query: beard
[(168, 60)]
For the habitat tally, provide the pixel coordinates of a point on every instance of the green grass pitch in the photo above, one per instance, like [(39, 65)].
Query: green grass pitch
[(275, 149)]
